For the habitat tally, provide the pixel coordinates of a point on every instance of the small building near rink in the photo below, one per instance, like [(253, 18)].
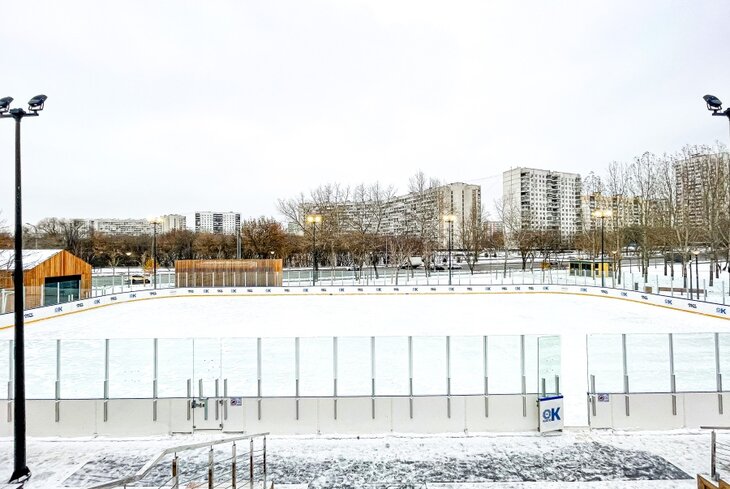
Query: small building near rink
[(50, 277), (229, 273)]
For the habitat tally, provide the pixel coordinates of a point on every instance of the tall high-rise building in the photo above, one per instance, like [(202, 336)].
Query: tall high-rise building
[(173, 222), (541, 200), (217, 222), (697, 180)]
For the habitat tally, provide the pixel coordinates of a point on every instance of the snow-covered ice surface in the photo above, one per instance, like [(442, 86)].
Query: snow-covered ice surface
[(581, 458), (367, 315)]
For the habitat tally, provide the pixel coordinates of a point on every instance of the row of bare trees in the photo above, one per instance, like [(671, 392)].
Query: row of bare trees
[(367, 225)]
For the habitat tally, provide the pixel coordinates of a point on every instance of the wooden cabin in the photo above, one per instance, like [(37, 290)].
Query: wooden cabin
[(229, 273), (49, 276)]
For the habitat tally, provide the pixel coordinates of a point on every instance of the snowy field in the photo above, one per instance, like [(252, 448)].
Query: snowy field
[(574, 459)]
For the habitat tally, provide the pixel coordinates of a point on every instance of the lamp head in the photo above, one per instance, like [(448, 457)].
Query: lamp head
[(314, 218), (695, 252), (450, 218), (36, 103), (5, 104), (713, 103)]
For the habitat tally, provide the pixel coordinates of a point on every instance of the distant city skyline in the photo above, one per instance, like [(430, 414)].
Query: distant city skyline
[(268, 100)]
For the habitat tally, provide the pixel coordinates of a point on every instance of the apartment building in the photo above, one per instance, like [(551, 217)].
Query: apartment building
[(217, 222), (114, 226), (416, 213), (541, 200), (699, 180), (626, 211), (173, 222)]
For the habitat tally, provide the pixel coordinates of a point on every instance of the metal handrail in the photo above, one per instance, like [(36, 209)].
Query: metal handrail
[(714, 474), (146, 468)]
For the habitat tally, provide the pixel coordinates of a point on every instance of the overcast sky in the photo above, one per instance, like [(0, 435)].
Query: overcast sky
[(159, 107)]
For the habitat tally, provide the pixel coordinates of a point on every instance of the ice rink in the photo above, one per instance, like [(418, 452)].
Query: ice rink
[(367, 315)]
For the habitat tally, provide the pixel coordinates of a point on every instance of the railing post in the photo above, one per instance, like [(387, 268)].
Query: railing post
[(713, 456), (210, 468), (233, 466), (250, 463), (264, 463), (174, 472), (593, 395)]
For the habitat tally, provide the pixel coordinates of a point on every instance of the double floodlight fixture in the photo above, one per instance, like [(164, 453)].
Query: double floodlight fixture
[(695, 252), (602, 213), (314, 218), (35, 105), (450, 218)]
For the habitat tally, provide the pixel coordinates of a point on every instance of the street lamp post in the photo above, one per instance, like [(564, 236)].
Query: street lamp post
[(129, 275), (313, 219), (602, 214), (155, 222), (696, 253), (21, 471), (715, 106), (450, 218)]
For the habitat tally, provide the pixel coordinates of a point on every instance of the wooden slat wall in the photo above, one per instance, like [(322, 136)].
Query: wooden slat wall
[(229, 273), (61, 264)]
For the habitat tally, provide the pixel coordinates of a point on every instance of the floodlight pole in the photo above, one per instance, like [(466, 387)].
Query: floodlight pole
[(154, 253), (21, 471), (603, 259)]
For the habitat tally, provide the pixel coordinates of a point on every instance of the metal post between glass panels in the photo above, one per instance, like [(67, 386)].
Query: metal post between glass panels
[(672, 376), (372, 376), (106, 380), (334, 372), (626, 373), (296, 374), (410, 375), (718, 374), (58, 380), (523, 376), (448, 377), (485, 345), (258, 375)]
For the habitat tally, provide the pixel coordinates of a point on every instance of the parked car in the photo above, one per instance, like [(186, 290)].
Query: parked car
[(137, 280)]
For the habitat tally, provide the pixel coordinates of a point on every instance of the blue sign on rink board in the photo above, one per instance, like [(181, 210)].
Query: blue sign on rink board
[(550, 412)]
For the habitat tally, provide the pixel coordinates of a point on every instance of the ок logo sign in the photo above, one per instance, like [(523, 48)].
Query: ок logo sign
[(552, 414)]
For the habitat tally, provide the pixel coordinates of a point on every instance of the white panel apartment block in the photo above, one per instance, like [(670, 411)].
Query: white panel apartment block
[(542, 200), (217, 222)]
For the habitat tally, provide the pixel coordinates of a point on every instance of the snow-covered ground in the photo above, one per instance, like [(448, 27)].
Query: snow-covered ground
[(576, 459)]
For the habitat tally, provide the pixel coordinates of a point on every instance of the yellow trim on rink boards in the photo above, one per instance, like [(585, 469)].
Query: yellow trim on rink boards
[(299, 294)]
